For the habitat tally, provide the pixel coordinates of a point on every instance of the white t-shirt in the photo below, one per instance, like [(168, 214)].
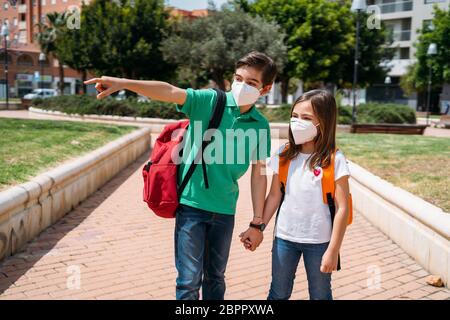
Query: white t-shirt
[(304, 217)]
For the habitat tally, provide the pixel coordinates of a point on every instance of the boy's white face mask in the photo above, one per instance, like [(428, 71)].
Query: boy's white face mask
[(244, 94), (303, 130)]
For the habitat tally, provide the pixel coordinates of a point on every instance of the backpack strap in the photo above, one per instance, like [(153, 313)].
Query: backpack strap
[(214, 122), (328, 185), (283, 168), (328, 188)]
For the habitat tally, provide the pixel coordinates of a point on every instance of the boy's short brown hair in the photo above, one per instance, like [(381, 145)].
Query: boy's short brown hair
[(262, 62)]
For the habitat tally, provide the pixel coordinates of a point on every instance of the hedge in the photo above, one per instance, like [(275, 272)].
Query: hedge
[(83, 104)]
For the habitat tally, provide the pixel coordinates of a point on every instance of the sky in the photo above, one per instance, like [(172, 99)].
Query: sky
[(192, 4)]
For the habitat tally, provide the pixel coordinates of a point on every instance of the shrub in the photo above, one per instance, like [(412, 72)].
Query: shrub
[(344, 115), (83, 104), (385, 113)]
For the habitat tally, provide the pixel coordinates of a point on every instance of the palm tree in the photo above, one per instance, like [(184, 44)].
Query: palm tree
[(48, 36)]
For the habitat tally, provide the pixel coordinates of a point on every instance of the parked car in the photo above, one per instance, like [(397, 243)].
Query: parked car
[(37, 93), (121, 95), (40, 93), (142, 99)]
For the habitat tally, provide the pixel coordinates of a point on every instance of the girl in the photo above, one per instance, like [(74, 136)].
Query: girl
[(304, 226)]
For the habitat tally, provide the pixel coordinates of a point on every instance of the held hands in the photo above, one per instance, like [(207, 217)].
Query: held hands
[(329, 261), (251, 238), (107, 85)]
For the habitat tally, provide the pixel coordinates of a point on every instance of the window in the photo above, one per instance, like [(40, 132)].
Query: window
[(25, 60), (404, 53), (2, 58), (43, 2), (15, 21), (389, 6), (399, 29), (427, 25), (53, 1), (433, 1), (5, 6), (22, 36)]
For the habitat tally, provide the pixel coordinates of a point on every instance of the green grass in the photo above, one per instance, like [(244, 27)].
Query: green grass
[(3, 100), (417, 164), (29, 147)]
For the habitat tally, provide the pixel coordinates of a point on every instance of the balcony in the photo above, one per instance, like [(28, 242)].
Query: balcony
[(402, 35), (398, 6), (22, 8), (22, 25)]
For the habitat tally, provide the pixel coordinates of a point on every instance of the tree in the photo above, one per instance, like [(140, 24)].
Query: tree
[(374, 52), (73, 45), (417, 77), (51, 31), (321, 40), (214, 43), (123, 38)]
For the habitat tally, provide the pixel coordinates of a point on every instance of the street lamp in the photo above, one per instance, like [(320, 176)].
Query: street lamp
[(387, 82), (432, 51), (357, 6), (41, 62), (5, 33)]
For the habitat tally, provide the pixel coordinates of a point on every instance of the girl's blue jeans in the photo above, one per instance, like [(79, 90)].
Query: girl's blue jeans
[(285, 258)]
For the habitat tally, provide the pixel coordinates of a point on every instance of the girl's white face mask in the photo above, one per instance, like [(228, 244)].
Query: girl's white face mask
[(303, 130), (244, 94)]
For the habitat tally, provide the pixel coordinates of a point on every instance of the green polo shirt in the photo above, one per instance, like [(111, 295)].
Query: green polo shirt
[(239, 140)]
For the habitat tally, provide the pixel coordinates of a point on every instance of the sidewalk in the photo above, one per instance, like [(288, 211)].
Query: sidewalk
[(122, 251)]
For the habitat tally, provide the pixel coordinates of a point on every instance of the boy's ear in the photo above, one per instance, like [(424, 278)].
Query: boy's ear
[(266, 89)]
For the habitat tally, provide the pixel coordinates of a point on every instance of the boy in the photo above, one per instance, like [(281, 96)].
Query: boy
[(205, 217)]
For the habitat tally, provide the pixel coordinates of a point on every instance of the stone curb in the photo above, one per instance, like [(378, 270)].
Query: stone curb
[(29, 208), (417, 226)]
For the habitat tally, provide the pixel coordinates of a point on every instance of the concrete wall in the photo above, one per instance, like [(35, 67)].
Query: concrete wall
[(29, 208), (418, 227)]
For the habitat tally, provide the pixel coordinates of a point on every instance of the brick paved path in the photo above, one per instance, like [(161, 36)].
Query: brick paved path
[(121, 251)]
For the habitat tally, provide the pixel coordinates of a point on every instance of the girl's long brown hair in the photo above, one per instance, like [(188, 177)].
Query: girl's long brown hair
[(324, 108)]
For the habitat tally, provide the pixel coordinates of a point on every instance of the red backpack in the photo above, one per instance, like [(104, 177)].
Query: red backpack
[(161, 190)]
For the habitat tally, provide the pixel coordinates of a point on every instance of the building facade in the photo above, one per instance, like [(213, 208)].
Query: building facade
[(404, 19), (25, 69)]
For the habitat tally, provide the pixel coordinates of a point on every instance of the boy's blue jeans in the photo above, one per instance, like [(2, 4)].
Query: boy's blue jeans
[(202, 246), (285, 258)]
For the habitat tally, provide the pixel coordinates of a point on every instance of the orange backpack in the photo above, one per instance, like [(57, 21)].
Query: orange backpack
[(328, 187)]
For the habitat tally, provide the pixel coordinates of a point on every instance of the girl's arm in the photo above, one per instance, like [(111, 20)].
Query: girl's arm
[(156, 90), (330, 258)]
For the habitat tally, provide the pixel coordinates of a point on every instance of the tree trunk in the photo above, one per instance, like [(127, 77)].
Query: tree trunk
[(284, 88), (61, 77), (130, 74), (219, 80), (83, 78)]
